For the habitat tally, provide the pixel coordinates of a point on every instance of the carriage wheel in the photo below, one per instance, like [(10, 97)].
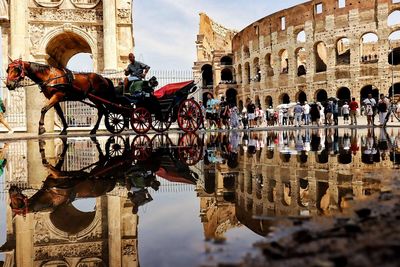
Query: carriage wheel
[(141, 120), (141, 147), (116, 146), (190, 148), (161, 141), (161, 125), (115, 122), (189, 115)]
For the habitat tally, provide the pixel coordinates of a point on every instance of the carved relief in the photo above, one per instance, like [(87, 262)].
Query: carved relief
[(3, 10), (82, 250), (129, 247), (65, 15), (49, 3), (41, 233), (85, 3), (36, 33), (124, 16)]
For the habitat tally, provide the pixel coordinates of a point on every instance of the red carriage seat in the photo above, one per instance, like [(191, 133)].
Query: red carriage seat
[(171, 88), (173, 176)]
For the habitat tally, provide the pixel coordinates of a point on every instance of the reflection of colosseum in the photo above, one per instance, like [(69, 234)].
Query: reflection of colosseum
[(315, 50)]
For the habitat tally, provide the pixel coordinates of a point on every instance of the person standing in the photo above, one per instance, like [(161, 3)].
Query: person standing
[(345, 112), (383, 106), (328, 112), (370, 106), (353, 111), (315, 113), (2, 116), (211, 112), (335, 110), (251, 108), (306, 112), (298, 111)]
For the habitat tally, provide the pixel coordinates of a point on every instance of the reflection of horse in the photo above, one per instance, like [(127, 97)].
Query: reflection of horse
[(60, 85), (63, 187)]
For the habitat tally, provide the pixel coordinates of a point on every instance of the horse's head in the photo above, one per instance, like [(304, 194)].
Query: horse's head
[(18, 201), (15, 74)]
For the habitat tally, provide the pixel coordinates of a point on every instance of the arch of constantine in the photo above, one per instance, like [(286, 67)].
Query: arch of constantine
[(312, 51)]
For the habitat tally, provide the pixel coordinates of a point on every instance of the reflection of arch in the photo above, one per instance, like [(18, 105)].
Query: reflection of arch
[(285, 157), (77, 220), (231, 96), (343, 94), (321, 95), (369, 89), (62, 43), (268, 101), (226, 75), (284, 98), (301, 97), (320, 54), (226, 60), (343, 51), (207, 75)]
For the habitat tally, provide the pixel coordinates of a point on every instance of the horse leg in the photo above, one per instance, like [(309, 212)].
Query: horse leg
[(52, 101), (60, 114), (100, 113)]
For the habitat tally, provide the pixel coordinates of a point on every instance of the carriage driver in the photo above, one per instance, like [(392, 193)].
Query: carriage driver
[(135, 71)]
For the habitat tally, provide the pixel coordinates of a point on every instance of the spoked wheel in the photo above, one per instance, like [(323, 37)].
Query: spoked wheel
[(115, 122), (141, 147), (116, 146), (163, 124), (189, 116), (190, 149), (161, 141), (141, 120)]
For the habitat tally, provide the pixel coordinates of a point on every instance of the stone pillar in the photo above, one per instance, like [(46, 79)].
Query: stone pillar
[(24, 240), (18, 28), (110, 35), (37, 173), (114, 230)]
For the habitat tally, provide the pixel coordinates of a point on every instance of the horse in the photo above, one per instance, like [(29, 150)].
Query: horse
[(60, 85)]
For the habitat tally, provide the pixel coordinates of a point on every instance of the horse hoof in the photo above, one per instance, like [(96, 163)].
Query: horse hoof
[(63, 132), (42, 130)]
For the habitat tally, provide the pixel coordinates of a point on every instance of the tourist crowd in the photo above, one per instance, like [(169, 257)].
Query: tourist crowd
[(219, 114)]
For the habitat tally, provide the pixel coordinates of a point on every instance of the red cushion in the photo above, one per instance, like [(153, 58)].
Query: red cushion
[(170, 89)]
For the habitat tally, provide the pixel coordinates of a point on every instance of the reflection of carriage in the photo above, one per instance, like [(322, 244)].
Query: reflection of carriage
[(157, 110)]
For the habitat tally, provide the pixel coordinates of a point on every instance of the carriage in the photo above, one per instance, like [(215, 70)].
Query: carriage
[(155, 109)]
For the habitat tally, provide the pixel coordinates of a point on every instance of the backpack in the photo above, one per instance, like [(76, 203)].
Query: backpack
[(382, 107), (2, 106)]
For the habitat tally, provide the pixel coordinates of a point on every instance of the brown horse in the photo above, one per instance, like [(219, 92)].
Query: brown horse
[(60, 85)]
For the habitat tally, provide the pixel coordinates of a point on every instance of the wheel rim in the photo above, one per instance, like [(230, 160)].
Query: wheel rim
[(141, 148), (159, 125), (141, 120), (115, 122), (189, 115), (115, 146), (160, 141), (190, 149)]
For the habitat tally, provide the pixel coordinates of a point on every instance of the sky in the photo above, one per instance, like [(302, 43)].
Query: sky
[(165, 31)]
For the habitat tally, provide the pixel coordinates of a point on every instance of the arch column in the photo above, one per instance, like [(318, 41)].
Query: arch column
[(110, 33), (18, 28)]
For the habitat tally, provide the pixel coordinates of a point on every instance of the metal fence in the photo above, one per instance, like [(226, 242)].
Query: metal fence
[(78, 114)]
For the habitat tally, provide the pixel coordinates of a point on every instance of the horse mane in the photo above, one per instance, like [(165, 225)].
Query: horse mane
[(38, 67)]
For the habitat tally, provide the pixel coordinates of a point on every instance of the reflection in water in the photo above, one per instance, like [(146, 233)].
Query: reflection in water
[(240, 178)]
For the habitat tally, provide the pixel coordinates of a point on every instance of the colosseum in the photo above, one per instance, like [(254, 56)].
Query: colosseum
[(309, 52)]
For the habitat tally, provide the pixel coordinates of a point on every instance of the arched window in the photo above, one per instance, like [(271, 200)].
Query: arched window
[(369, 48), (301, 37), (394, 18), (257, 70), (269, 64), (321, 57), (284, 60), (343, 51), (301, 59), (207, 75), (247, 72), (226, 60), (394, 42)]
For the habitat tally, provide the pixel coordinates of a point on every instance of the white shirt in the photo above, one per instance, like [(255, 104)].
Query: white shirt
[(306, 109), (345, 109)]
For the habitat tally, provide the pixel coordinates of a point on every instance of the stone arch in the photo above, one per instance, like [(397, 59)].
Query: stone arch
[(301, 37), (301, 97), (64, 42), (284, 61), (247, 72), (396, 89), (321, 57), (239, 74), (284, 99), (231, 96), (226, 61), (369, 89), (369, 48), (393, 18), (268, 101), (246, 52), (343, 94), (226, 75), (301, 61), (257, 101), (207, 75), (343, 52), (268, 64), (256, 69), (91, 262), (52, 263), (321, 95), (53, 3), (394, 43)]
